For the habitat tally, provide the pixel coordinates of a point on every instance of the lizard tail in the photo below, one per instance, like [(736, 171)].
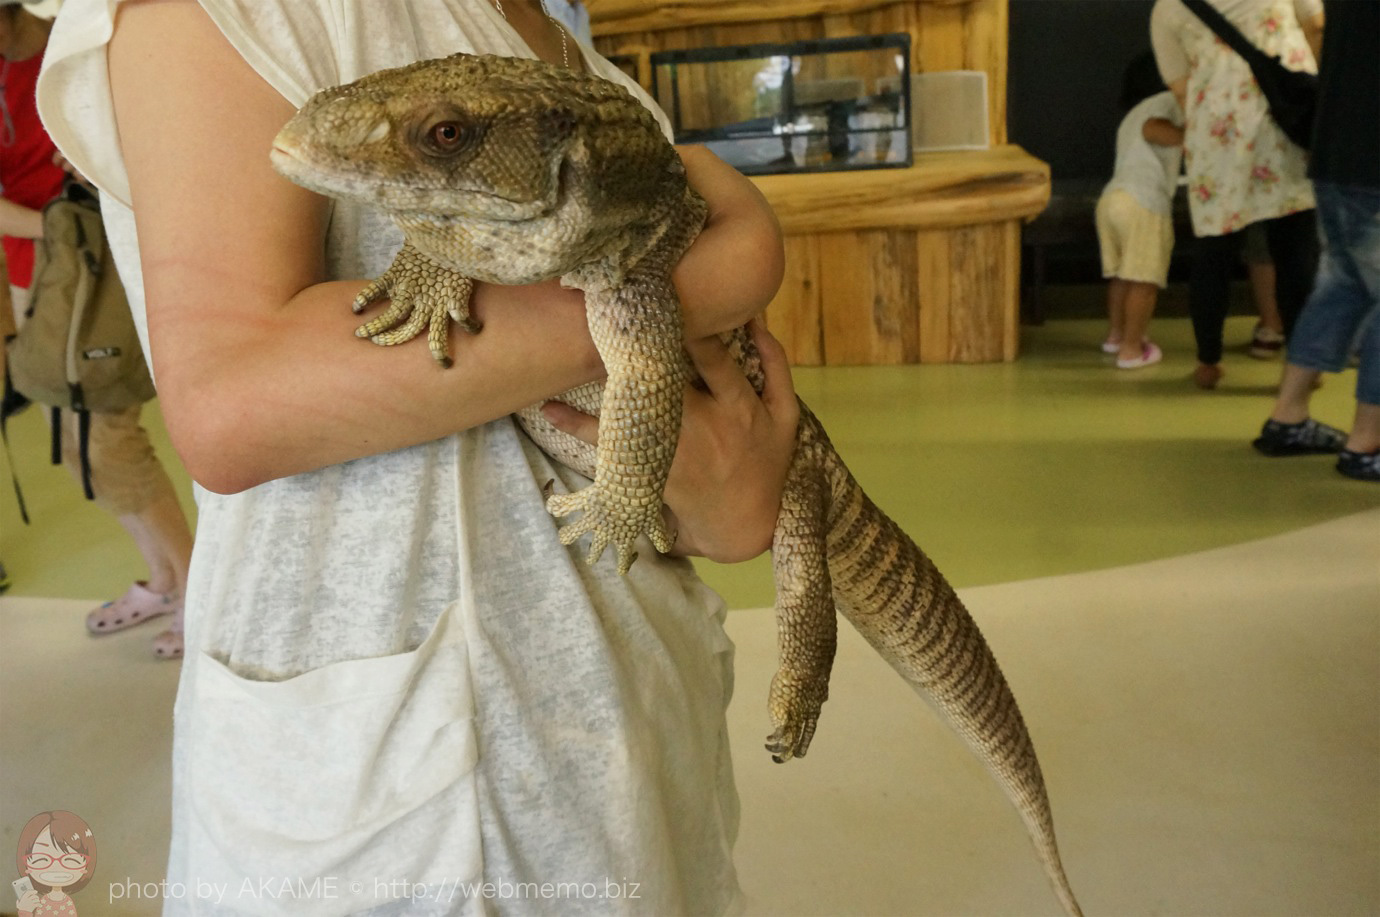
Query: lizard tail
[(899, 601)]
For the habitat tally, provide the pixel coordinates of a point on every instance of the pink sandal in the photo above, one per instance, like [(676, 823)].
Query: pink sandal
[(169, 644), (137, 605), (1150, 354)]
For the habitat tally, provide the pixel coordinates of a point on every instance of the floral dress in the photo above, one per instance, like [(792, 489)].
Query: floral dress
[(1241, 167)]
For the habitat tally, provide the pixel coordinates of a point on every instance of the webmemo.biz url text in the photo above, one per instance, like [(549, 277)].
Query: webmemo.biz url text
[(503, 890)]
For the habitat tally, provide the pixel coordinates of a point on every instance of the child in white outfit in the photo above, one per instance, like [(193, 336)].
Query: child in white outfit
[(1134, 225)]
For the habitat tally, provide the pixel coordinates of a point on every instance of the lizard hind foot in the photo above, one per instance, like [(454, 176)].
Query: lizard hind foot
[(789, 742), (608, 522), (794, 705)]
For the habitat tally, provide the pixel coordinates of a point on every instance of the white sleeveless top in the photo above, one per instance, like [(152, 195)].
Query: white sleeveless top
[(398, 684)]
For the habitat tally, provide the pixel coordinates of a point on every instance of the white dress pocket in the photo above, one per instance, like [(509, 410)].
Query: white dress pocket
[(342, 788)]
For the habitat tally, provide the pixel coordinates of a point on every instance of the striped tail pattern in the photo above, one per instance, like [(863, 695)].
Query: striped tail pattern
[(835, 549)]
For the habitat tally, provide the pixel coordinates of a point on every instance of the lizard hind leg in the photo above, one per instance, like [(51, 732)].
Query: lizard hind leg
[(806, 621)]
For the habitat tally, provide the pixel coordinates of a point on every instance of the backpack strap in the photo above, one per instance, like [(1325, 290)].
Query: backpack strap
[(55, 433), (1224, 30), (84, 449), (83, 446), (12, 402), (14, 476)]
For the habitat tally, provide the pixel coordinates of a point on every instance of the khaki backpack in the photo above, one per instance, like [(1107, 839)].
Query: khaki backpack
[(78, 349)]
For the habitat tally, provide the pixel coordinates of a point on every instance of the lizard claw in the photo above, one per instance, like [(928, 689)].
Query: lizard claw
[(376, 289), (794, 704), (609, 522), (424, 294)]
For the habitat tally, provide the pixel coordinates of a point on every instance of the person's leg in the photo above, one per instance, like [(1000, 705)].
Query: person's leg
[(1365, 429), (1109, 218), (1261, 275), (1361, 458), (1268, 337), (1296, 389), (1116, 313), (131, 484), (1340, 302), (1293, 241), (1138, 307), (1262, 278), (1208, 296), (164, 539)]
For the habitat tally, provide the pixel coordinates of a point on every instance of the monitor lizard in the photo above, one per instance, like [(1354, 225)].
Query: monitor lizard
[(512, 171)]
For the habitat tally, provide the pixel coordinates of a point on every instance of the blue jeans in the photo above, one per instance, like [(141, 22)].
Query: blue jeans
[(1344, 308)]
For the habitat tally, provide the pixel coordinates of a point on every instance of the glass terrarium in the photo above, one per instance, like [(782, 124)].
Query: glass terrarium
[(804, 106)]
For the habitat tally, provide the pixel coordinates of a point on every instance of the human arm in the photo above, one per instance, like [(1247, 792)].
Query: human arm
[(20, 221), (1311, 19), (736, 264), (258, 370), (1162, 132), (1170, 57)]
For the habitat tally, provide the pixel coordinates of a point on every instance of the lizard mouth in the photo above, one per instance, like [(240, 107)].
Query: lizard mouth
[(402, 197), (289, 163)]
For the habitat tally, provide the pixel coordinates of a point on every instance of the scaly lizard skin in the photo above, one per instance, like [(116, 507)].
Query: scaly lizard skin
[(512, 171)]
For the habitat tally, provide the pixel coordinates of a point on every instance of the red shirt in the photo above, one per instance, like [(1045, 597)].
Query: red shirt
[(27, 174)]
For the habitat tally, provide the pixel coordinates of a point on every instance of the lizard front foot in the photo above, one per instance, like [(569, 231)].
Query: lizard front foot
[(794, 705), (612, 520), (424, 294)]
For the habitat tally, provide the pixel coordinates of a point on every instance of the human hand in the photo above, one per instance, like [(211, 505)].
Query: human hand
[(28, 903), (724, 491)]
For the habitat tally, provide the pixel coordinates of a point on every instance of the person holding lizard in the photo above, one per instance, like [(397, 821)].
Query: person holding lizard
[(394, 670)]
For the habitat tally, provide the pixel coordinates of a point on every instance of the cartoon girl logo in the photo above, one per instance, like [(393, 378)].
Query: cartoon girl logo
[(56, 857)]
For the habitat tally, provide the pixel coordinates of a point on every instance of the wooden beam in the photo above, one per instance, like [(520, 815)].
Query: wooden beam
[(939, 190), (610, 17)]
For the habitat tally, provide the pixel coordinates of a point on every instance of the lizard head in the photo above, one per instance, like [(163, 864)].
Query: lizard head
[(463, 136)]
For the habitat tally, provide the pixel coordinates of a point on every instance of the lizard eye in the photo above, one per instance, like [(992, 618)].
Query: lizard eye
[(449, 136)]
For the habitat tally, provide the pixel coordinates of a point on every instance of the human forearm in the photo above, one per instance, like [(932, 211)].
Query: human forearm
[(20, 221), (293, 391), (1313, 34), (1162, 132), (534, 345)]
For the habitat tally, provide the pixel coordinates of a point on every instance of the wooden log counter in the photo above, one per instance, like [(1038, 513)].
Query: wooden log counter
[(883, 266)]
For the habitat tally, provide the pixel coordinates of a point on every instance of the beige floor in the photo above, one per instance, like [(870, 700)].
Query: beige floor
[(1207, 725)]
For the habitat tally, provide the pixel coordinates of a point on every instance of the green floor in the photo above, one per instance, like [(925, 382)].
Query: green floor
[(1054, 464)]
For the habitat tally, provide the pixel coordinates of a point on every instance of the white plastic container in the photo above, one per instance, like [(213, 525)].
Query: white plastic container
[(949, 110)]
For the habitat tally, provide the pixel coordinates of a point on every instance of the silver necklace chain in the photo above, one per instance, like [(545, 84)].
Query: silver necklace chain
[(565, 50)]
